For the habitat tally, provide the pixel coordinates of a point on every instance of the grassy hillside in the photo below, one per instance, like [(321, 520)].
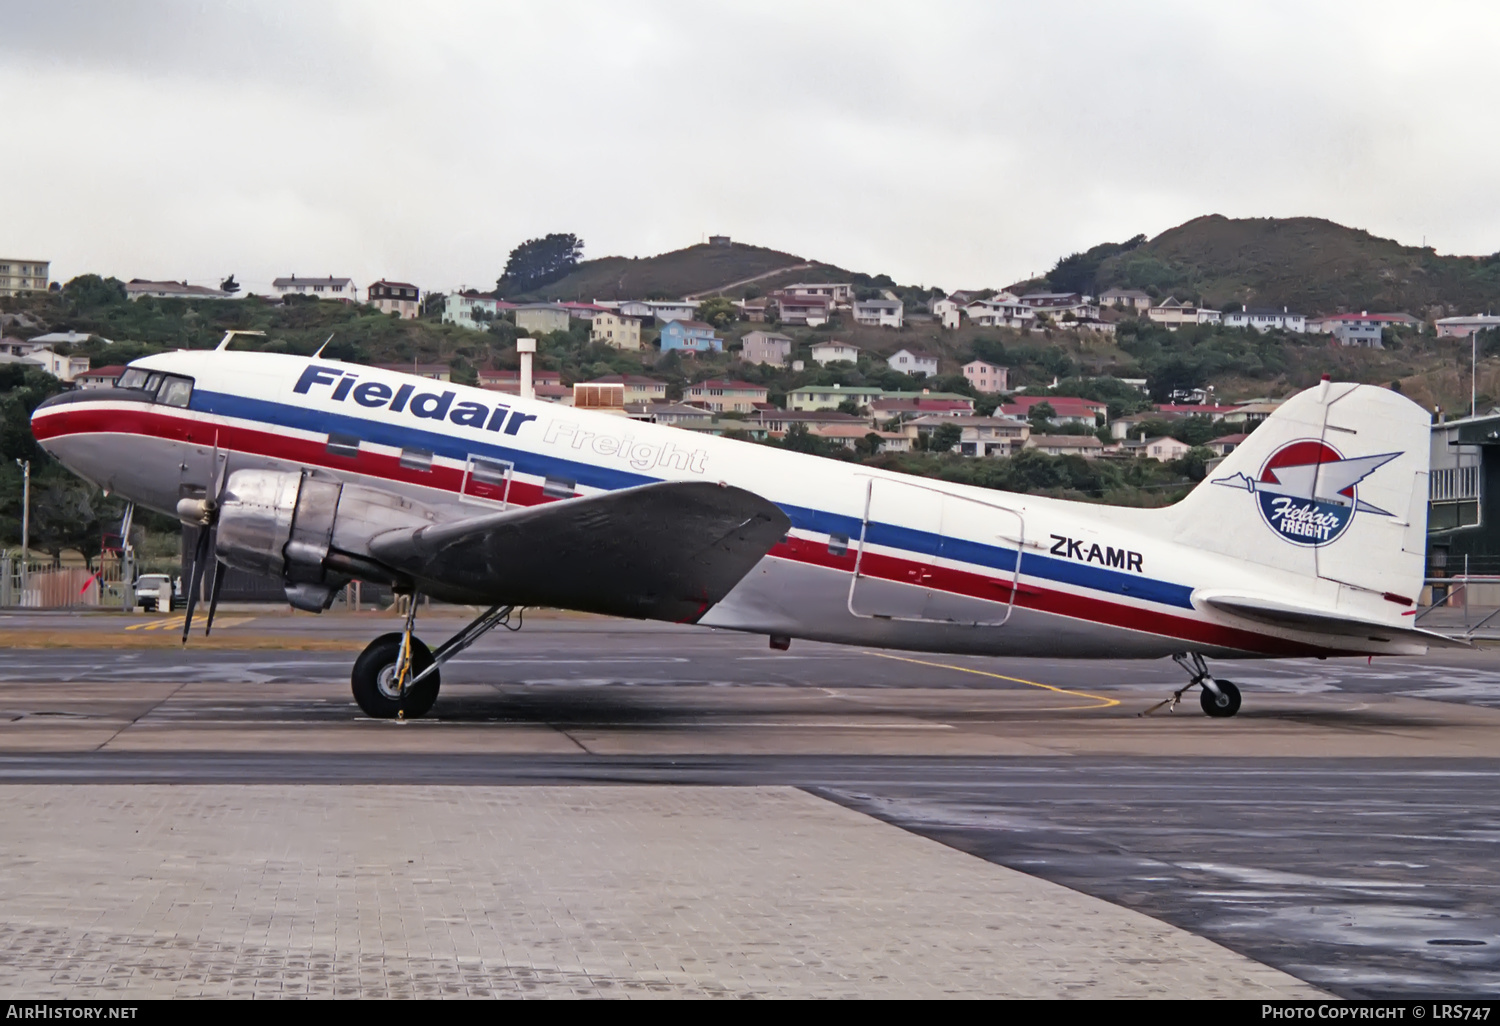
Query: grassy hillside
[(1309, 264), (669, 275)]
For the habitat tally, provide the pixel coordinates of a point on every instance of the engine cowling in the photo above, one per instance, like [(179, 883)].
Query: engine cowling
[(311, 532)]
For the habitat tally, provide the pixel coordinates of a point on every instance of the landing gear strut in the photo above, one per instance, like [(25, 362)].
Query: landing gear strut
[(396, 676), (1218, 697)]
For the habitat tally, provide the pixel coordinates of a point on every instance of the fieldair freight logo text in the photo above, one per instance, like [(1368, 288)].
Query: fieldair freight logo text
[(1306, 490)]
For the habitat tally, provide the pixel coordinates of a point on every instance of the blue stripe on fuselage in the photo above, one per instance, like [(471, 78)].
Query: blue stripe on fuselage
[(405, 435)]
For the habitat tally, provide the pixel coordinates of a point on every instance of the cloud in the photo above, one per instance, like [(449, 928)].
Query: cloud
[(960, 144)]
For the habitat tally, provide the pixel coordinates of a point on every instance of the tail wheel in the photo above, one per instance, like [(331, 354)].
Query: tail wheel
[(1226, 703), (374, 680)]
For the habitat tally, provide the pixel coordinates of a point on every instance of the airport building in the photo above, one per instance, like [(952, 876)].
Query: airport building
[(1463, 519)]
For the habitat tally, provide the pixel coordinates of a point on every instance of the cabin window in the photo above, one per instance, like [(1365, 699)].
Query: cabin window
[(838, 544), (343, 445), (558, 488), (416, 459)]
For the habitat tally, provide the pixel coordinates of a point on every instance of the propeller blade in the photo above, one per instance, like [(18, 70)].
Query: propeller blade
[(220, 572), (200, 557)]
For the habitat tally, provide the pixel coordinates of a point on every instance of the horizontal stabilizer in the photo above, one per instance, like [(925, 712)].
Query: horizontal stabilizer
[(1321, 621), (661, 551)]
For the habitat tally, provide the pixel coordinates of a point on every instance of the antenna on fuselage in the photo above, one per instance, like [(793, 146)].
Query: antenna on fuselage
[(324, 345), (229, 335)]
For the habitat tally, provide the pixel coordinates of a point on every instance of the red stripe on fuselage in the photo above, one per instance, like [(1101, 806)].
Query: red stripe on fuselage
[(152, 422)]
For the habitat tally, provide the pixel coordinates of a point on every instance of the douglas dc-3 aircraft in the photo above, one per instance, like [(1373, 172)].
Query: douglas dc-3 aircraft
[(1308, 540)]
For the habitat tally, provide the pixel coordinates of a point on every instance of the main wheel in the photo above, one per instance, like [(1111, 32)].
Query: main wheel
[(374, 680), (1225, 704)]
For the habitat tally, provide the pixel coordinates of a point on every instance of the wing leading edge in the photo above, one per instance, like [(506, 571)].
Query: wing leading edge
[(663, 551)]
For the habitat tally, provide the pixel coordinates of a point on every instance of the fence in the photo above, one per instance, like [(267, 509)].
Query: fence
[(37, 585)]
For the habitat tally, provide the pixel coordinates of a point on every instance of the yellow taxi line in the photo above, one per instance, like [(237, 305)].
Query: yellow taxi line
[(1104, 703)]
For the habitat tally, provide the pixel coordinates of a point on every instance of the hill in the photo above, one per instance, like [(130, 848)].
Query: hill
[(1307, 263), (686, 272)]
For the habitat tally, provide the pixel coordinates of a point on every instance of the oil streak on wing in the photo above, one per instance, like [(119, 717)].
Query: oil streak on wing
[(664, 551)]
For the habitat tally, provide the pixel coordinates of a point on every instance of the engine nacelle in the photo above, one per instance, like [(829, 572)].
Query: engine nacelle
[(311, 532)]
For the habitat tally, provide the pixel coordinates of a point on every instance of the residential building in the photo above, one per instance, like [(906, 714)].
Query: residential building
[(62, 338), (1172, 313), (1247, 415), (342, 289), (1066, 409), (849, 436), (1061, 306), (979, 436), (883, 313), (62, 367), (837, 294), (1066, 445), (542, 318), (584, 311), (947, 311), (401, 298), (473, 310), (913, 361), (725, 396), (832, 351), (1125, 299), (944, 404), (1366, 335), (691, 337), (137, 288), (809, 310), (671, 414), (18, 276), (1162, 449), (828, 397), (1226, 444), (753, 310), (670, 310), (1265, 319), (600, 396), (615, 329), (1329, 323), (766, 347), (986, 376), (635, 388), (1463, 327), (509, 381), (99, 377), (1001, 311), (779, 422), (431, 371)]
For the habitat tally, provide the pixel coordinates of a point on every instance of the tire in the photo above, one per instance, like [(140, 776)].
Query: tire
[(372, 676), (1210, 701)]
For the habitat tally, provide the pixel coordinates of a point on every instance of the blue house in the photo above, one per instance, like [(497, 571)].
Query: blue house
[(690, 336)]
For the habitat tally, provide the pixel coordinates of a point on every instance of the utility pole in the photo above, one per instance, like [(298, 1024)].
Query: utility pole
[(1474, 373), (25, 466)]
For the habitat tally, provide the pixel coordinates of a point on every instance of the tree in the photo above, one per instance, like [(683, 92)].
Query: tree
[(1041, 417), (538, 262), (945, 438), (229, 285), (718, 311), (869, 445), (849, 406)]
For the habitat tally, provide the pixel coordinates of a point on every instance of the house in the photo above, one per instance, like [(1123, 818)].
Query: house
[(1329, 324), (913, 361), (986, 376), (1125, 299), (635, 388), (766, 347), (1162, 449), (509, 381), (1227, 444), (99, 377), (1001, 311), (947, 311), (670, 310), (691, 337), (631, 308), (542, 318), (723, 396), (138, 288), (19, 275), (25, 347), (824, 353), (615, 329), (1249, 414), (979, 436), (908, 405), (1060, 306), (1086, 446), (1463, 327), (837, 294), (584, 311), (883, 313), (401, 298), (1066, 409), (342, 289), (719, 240), (809, 310), (671, 414), (65, 368), (1366, 335), (431, 371), (1264, 319), (779, 422), (828, 397), (849, 436), (753, 310), (473, 310)]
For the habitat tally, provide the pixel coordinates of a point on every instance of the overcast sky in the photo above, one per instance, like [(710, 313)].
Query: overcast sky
[(954, 144)]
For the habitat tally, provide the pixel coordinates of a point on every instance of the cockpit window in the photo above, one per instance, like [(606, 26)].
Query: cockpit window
[(176, 391), (134, 377), (153, 381)]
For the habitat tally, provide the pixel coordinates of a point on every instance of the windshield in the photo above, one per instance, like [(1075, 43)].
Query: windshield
[(133, 377)]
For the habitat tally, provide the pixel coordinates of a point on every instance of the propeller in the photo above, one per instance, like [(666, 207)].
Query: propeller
[(204, 514)]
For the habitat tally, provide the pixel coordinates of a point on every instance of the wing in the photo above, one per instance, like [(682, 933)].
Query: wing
[(661, 551)]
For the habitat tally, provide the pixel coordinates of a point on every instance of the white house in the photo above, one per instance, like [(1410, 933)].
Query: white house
[(1266, 319), (884, 313), (664, 311), (137, 288), (59, 366), (986, 376), (1058, 305), (1001, 311), (824, 353), (342, 289), (913, 361), (1173, 313), (1463, 327), (472, 310), (840, 294), (946, 311)]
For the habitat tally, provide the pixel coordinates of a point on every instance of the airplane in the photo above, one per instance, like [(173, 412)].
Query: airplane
[(1308, 540)]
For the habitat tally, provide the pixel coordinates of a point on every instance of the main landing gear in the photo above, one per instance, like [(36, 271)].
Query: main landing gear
[(1218, 697), (396, 676)]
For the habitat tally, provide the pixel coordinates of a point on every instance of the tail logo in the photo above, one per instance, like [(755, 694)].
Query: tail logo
[(1306, 490)]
